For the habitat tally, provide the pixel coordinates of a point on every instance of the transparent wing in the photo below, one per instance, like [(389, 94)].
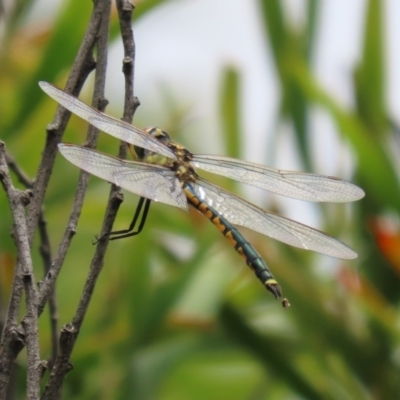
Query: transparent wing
[(113, 126), (298, 185), (153, 182), (240, 212)]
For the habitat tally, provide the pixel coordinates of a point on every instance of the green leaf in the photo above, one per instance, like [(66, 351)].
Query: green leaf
[(230, 111), (369, 75), (377, 172), (59, 54)]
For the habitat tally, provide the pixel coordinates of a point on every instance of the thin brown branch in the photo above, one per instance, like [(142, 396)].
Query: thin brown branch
[(70, 332), (18, 200), (45, 252), (99, 21), (100, 103), (98, 259), (17, 287), (131, 103), (82, 66), (13, 336), (21, 175)]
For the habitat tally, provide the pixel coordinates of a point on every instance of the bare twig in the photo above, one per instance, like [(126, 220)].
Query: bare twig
[(100, 103), (45, 252), (98, 21), (125, 9), (17, 286), (17, 201), (131, 103), (70, 332), (22, 177), (13, 339), (83, 65)]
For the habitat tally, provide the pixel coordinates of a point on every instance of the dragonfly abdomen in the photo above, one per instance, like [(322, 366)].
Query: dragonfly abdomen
[(241, 245)]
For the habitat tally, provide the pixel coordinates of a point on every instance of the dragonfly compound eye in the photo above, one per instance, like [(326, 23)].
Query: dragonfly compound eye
[(158, 134)]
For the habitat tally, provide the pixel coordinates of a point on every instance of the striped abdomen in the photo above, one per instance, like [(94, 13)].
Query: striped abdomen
[(241, 245)]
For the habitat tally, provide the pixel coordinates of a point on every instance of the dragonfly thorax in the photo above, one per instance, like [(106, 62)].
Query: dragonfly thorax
[(184, 172), (181, 165)]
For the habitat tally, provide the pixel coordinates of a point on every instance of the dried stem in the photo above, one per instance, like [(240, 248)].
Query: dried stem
[(14, 337), (18, 200), (70, 332), (45, 252), (125, 9)]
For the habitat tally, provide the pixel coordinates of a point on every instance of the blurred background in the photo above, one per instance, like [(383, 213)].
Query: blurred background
[(309, 85)]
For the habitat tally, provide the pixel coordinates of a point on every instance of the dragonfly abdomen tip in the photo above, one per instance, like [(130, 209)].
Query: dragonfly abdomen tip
[(273, 287)]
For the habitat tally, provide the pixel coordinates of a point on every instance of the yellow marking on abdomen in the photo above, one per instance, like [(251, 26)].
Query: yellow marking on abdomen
[(242, 255), (244, 249), (203, 208), (217, 222), (230, 238)]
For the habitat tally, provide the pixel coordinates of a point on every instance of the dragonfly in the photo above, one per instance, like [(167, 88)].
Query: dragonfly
[(165, 172)]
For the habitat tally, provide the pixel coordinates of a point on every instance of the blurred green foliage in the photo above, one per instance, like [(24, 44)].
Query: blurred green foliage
[(168, 326)]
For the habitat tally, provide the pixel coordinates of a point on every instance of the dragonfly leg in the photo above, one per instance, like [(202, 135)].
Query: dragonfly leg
[(128, 232)]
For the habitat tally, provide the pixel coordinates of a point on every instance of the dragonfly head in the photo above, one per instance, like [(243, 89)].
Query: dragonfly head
[(158, 134)]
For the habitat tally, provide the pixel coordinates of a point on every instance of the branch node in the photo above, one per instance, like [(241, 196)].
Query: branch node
[(67, 336), (136, 102), (25, 197), (42, 367), (127, 65), (128, 7), (71, 230), (52, 128), (102, 104), (15, 338), (49, 274), (117, 198), (69, 328)]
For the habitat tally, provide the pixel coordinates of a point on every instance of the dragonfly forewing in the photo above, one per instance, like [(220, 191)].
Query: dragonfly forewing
[(297, 185), (242, 213), (113, 126), (151, 181)]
